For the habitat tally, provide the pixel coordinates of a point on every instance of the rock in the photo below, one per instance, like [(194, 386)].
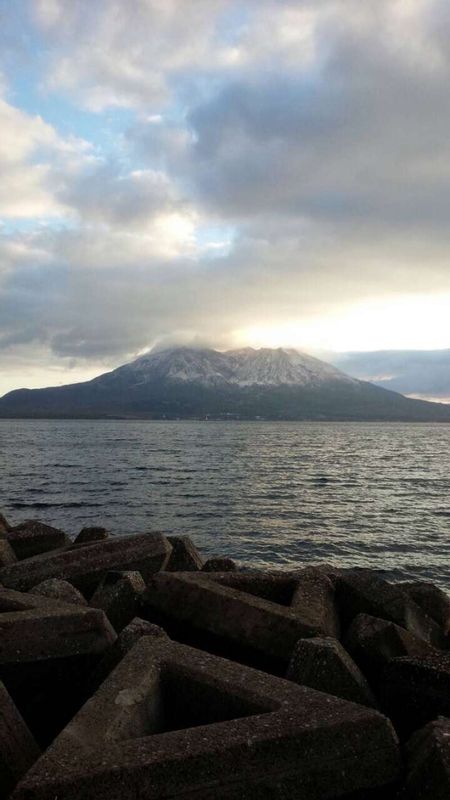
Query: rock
[(32, 537), (323, 664), (314, 594), (185, 556), (428, 763), (86, 565), (7, 554), (219, 565), (432, 600), (119, 595), (363, 592), (372, 642), (57, 589), (229, 732), (18, 749), (414, 691), (92, 534)]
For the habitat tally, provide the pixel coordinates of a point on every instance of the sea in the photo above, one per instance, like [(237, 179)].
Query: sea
[(268, 494)]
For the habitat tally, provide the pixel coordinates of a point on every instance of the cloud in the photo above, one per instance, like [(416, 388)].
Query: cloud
[(31, 154), (278, 162), (111, 53)]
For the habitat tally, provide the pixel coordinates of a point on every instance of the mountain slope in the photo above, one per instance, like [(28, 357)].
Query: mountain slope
[(195, 383)]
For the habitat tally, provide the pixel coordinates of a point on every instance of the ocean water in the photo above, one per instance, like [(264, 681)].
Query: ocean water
[(268, 494)]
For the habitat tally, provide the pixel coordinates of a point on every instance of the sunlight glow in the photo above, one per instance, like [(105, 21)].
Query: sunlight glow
[(416, 322)]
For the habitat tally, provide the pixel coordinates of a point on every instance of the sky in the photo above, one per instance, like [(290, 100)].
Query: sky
[(223, 173)]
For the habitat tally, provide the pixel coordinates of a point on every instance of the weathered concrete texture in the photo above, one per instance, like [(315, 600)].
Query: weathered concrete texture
[(92, 534), (4, 525), (174, 722), (123, 644), (372, 642), (86, 565), (18, 749), (56, 589), (32, 537), (119, 595), (47, 650), (432, 600), (229, 614), (323, 664), (275, 585), (363, 592), (315, 593), (414, 691), (35, 628), (428, 761), (7, 554), (219, 565), (185, 556)]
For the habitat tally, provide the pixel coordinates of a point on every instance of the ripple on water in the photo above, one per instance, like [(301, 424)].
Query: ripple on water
[(270, 494)]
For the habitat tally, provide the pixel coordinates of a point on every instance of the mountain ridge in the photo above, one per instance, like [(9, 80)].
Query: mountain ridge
[(247, 383)]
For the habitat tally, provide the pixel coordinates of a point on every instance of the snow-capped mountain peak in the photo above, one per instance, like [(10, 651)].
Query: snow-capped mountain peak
[(242, 367)]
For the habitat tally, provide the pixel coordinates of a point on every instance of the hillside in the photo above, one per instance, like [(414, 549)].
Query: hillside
[(197, 383)]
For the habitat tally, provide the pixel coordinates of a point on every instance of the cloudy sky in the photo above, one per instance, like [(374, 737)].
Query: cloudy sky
[(257, 172)]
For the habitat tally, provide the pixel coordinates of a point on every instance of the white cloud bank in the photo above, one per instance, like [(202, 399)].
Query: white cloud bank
[(283, 167)]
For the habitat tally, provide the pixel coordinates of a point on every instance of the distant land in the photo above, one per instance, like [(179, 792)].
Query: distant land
[(189, 383), (417, 373)]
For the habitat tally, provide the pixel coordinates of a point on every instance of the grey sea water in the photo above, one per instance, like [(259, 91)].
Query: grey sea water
[(277, 494)]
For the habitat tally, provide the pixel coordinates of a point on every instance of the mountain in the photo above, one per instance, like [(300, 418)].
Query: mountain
[(417, 373), (194, 383)]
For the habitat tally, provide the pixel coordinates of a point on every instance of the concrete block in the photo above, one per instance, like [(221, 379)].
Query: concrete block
[(47, 650), (308, 590), (315, 593), (56, 589), (372, 642), (185, 556), (323, 664), (4, 525), (219, 565), (18, 749), (202, 603), (434, 601), (32, 537), (414, 691), (172, 722), (275, 585), (119, 595), (86, 565), (125, 641), (7, 554), (92, 534), (428, 763), (35, 628), (363, 592)]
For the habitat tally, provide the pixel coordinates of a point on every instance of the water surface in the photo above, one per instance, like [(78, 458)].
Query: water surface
[(278, 494)]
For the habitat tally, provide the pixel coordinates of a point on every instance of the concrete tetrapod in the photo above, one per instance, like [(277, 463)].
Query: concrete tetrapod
[(36, 628), (171, 722), (428, 763), (85, 565), (210, 604), (18, 749)]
